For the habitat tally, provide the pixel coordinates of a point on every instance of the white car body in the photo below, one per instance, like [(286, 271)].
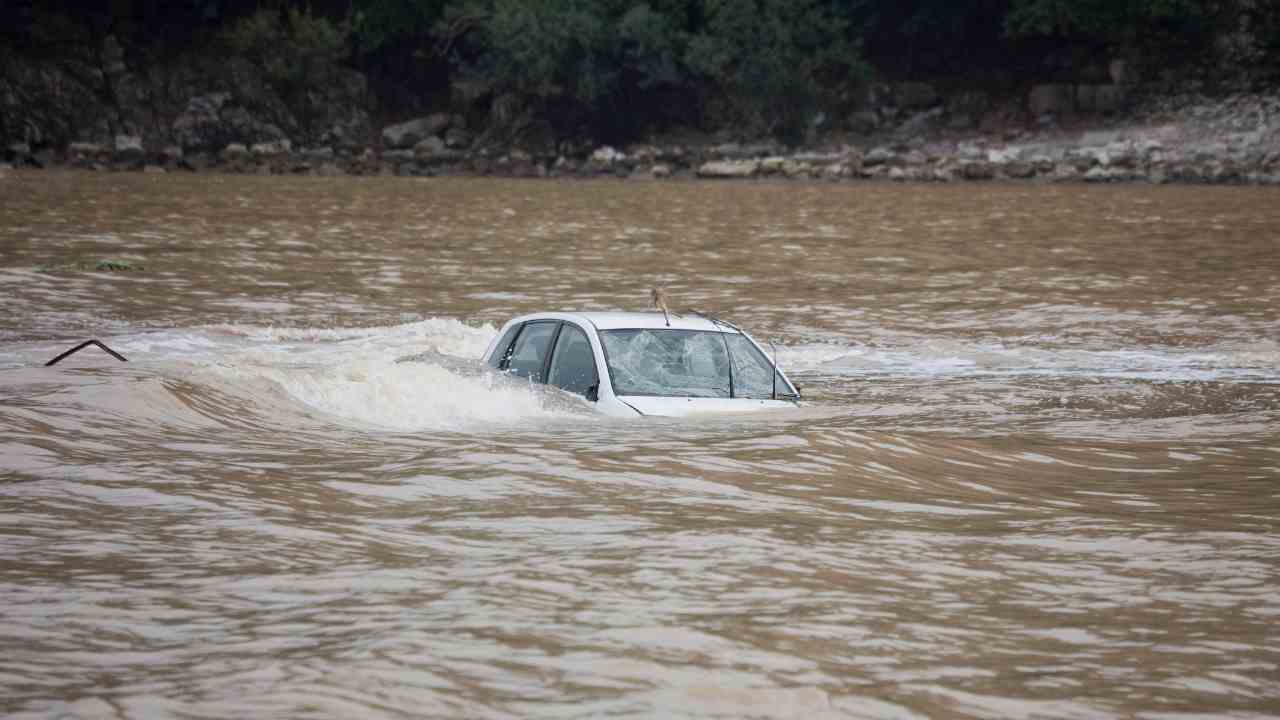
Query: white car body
[(544, 347)]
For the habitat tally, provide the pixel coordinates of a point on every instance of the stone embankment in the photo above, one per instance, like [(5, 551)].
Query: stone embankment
[(1171, 139)]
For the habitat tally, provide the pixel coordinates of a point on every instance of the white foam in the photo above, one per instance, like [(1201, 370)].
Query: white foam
[(381, 393), (931, 357)]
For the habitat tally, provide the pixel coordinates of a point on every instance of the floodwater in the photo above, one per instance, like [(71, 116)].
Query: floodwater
[(1037, 473)]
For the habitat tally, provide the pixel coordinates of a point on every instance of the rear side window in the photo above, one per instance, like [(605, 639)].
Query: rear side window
[(501, 350), (573, 365), (529, 355)]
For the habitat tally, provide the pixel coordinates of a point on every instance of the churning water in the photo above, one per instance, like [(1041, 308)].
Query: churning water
[(1037, 473)]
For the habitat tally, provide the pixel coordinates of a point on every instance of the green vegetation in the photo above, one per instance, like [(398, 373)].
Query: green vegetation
[(613, 70)]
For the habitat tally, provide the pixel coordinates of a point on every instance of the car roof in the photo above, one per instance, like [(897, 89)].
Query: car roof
[(636, 320)]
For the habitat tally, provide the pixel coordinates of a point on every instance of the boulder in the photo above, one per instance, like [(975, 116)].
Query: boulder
[(1019, 170), (978, 170), (128, 148), (234, 152), (317, 153), (734, 151), (1103, 174), (661, 170), (18, 152), (274, 148), (864, 122), (836, 171), (729, 169), (457, 138), (606, 155), (85, 150), (428, 148), (1066, 172), (878, 156), (793, 168), (772, 165), (213, 121), (915, 158), (408, 134)]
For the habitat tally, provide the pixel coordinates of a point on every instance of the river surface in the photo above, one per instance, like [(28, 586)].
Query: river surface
[(1036, 475)]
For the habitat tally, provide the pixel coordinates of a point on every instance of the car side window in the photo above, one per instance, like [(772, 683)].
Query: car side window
[(573, 364), (530, 353), (504, 345), (752, 372)]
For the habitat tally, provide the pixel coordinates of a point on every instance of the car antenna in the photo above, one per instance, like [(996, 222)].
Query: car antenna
[(774, 347), (659, 298)]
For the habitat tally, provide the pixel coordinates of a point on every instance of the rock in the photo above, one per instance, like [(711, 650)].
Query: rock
[(400, 156), (1055, 99), (457, 138), (235, 151), (1101, 174), (1001, 156), (171, 154), (978, 171), (1019, 170), (1120, 155), (606, 156), (915, 157), (878, 156), (793, 169), (86, 150), (661, 170), (1042, 163), (772, 165), (945, 173), (920, 123), (408, 134), (729, 169), (274, 148), (427, 148), (154, 170), (317, 154), (897, 174), (17, 152), (915, 95), (128, 148), (1065, 172), (864, 122), (328, 170), (734, 151)]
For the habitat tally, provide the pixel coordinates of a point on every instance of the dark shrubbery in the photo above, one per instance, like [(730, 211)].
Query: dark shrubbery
[(616, 69)]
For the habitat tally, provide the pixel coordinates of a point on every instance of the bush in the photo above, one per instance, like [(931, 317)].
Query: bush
[(295, 49)]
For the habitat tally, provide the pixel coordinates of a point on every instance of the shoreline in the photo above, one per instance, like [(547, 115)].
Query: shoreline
[(1170, 139)]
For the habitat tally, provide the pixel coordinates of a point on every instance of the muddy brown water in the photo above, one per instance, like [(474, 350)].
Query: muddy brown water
[(1036, 474)]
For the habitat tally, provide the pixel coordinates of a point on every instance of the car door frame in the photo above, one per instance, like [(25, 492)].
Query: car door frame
[(504, 355)]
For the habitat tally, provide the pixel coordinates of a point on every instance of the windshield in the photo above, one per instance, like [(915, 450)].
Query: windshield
[(687, 363)]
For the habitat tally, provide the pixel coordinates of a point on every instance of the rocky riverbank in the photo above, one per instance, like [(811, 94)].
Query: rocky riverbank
[(1162, 139)]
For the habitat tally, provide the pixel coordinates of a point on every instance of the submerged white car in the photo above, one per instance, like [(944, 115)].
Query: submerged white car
[(643, 363)]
